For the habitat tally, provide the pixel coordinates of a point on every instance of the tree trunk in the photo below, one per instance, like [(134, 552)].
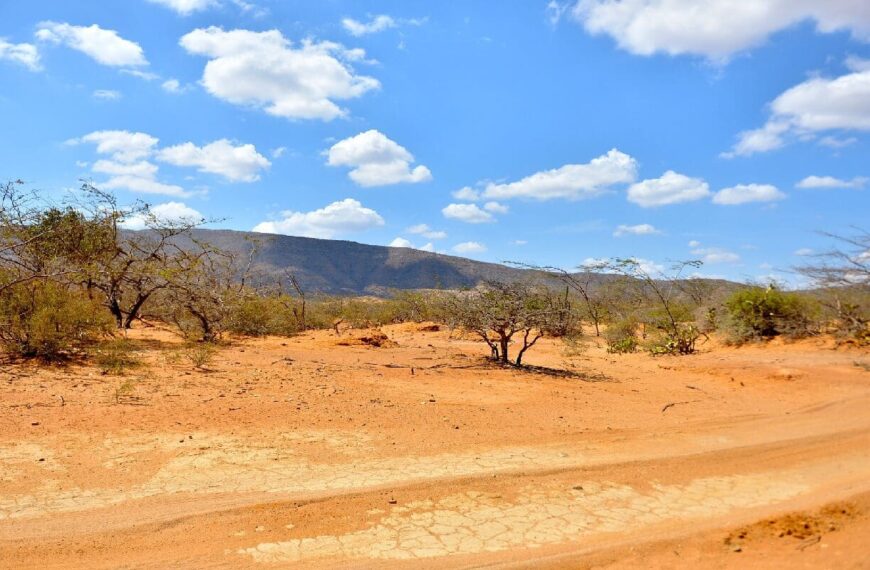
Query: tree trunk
[(134, 311), (503, 341), (115, 309)]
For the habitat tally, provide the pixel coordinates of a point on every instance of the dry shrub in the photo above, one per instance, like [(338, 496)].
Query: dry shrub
[(45, 320), (116, 357)]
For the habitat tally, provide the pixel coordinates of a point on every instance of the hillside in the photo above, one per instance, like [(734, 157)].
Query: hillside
[(346, 267)]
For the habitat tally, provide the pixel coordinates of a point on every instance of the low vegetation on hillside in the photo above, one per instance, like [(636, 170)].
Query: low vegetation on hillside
[(71, 277)]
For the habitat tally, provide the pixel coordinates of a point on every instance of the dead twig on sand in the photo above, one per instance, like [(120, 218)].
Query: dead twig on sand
[(672, 404)]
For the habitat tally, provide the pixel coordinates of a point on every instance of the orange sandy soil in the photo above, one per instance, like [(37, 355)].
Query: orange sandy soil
[(320, 451)]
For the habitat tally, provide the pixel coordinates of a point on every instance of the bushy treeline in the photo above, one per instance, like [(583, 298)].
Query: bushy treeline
[(70, 275)]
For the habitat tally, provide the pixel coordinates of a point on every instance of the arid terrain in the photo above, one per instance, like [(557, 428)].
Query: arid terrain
[(326, 451)]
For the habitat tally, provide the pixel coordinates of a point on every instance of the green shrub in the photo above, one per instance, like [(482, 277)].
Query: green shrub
[(45, 320), (116, 356), (200, 354), (621, 336), (758, 313), (259, 316)]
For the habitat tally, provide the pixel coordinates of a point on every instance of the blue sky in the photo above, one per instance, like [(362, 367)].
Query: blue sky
[(550, 133)]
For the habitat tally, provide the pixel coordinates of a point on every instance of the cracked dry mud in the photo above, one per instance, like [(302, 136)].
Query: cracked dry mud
[(345, 458)]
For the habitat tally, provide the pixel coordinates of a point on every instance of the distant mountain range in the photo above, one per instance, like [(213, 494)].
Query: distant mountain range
[(337, 267), (348, 268)]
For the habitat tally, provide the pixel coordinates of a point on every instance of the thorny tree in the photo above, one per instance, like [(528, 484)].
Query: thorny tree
[(497, 312)]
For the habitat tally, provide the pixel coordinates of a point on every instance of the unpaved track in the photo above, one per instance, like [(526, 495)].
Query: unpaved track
[(346, 459)]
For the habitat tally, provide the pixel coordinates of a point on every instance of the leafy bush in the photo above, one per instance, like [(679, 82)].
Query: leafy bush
[(45, 320), (259, 316), (621, 336), (760, 313), (116, 356), (200, 354), (681, 342)]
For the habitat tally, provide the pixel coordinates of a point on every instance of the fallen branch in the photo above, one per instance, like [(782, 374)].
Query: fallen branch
[(672, 404)]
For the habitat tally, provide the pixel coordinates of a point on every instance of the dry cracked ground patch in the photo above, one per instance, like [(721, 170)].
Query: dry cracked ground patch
[(306, 452)]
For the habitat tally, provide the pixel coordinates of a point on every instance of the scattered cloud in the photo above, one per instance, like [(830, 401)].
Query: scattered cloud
[(122, 146), (572, 181), (278, 152), (402, 242), (804, 251), (746, 193), (172, 86), (832, 182), (520, 242), (715, 255), (496, 208), (469, 247), (670, 188), (236, 163), (855, 63), (637, 230), (265, 70), (466, 193), (714, 29), (338, 218), (168, 212), (555, 10), (818, 104), (128, 163), (144, 75), (106, 94), (468, 213), (22, 54), (831, 141), (373, 26), (427, 232), (377, 24), (694, 243), (103, 46), (186, 7), (376, 160)]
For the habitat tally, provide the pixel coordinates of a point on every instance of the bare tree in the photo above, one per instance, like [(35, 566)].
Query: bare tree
[(139, 263), (843, 276), (580, 283), (662, 286)]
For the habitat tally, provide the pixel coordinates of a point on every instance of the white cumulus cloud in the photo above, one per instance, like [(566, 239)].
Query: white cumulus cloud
[(376, 24), (746, 193), (186, 7), (670, 188), (468, 213), (376, 160), (572, 181), (237, 163), (832, 182), (469, 247), (715, 255), (818, 104), (496, 208), (715, 29), (427, 232), (166, 213), (466, 193), (637, 230), (265, 70), (338, 218), (22, 54), (103, 46)]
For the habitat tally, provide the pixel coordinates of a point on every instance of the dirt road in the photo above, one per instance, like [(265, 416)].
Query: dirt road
[(320, 451)]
